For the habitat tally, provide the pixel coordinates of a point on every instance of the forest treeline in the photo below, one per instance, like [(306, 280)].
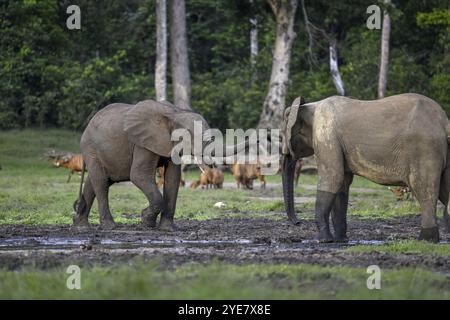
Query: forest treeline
[(54, 77)]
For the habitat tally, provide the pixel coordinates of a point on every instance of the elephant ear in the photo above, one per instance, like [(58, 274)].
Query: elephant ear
[(290, 118), (147, 125)]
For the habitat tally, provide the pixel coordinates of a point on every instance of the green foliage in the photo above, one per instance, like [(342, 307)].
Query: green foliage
[(51, 76)]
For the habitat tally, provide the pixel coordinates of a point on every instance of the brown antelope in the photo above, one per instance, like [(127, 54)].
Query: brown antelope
[(73, 162), (217, 178), (401, 193), (244, 174), (160, 173)]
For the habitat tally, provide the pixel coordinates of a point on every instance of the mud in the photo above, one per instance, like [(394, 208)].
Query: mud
[(232, 240)]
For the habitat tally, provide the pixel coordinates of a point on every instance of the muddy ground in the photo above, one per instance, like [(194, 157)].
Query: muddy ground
[(231, 240)]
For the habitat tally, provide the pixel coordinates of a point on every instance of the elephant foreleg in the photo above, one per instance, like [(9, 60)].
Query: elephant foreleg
[(172, 177), (339, 211), (142, 174), (330, 167), (324, 203)]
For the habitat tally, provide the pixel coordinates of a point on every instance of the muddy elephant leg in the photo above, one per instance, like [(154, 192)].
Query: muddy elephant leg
[(101, 184), (426, 191), (330, 168), (81, 219), (142, 174), (339, 211), (324, 203), (172, 177)]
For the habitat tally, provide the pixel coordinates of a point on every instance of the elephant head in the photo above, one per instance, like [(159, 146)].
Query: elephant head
[(297, 143), (150, 124)]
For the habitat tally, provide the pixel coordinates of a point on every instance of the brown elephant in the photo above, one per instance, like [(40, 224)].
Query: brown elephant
[(125, 142), (397, 141)]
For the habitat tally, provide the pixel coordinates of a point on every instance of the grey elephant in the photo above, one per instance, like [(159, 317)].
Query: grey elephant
[(125, 142), (400, 140)]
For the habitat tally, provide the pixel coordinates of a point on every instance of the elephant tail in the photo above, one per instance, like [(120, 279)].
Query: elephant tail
[(80, 191)]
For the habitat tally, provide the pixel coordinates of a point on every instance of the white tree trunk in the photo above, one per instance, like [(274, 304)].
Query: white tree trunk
[(253, 35), (384, 64), (274, 104), (334, 69), (161, 51), (181, 79), (253, 40)]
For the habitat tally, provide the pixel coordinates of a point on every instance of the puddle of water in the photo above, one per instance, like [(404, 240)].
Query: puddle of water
[(36, 242)]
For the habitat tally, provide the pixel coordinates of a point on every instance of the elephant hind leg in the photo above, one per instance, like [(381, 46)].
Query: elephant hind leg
[(426, 190), (100, 184), (81, 218), (444, 194)]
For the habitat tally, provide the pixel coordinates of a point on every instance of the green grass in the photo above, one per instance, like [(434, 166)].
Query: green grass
[(218, 281), (412, 247)]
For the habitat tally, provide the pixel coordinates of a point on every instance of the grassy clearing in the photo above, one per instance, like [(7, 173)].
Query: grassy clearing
[(32, 191), (412, 247), (217, 281)]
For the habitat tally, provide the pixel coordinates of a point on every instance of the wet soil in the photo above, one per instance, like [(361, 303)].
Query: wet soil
[(232, 240)]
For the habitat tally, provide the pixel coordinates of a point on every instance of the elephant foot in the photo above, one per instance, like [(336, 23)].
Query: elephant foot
[(295, 221), (107, 224), (429, 234), (167, 225), (148, 218), (325, 236), (80, 222)]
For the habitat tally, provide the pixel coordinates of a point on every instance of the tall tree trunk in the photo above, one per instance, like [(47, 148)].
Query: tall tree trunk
[(253, 36), (181, 79), (161, 51), (253, 40), (334, 68), (274, 104), (384, 64)]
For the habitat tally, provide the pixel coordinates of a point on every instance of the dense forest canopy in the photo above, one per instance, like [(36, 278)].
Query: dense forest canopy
[(52, 76)]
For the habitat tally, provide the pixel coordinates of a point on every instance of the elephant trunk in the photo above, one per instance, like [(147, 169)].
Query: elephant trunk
[(288, 187)]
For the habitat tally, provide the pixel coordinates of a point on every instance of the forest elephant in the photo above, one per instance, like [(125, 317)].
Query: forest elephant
[(400, 140), (125, 142)]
